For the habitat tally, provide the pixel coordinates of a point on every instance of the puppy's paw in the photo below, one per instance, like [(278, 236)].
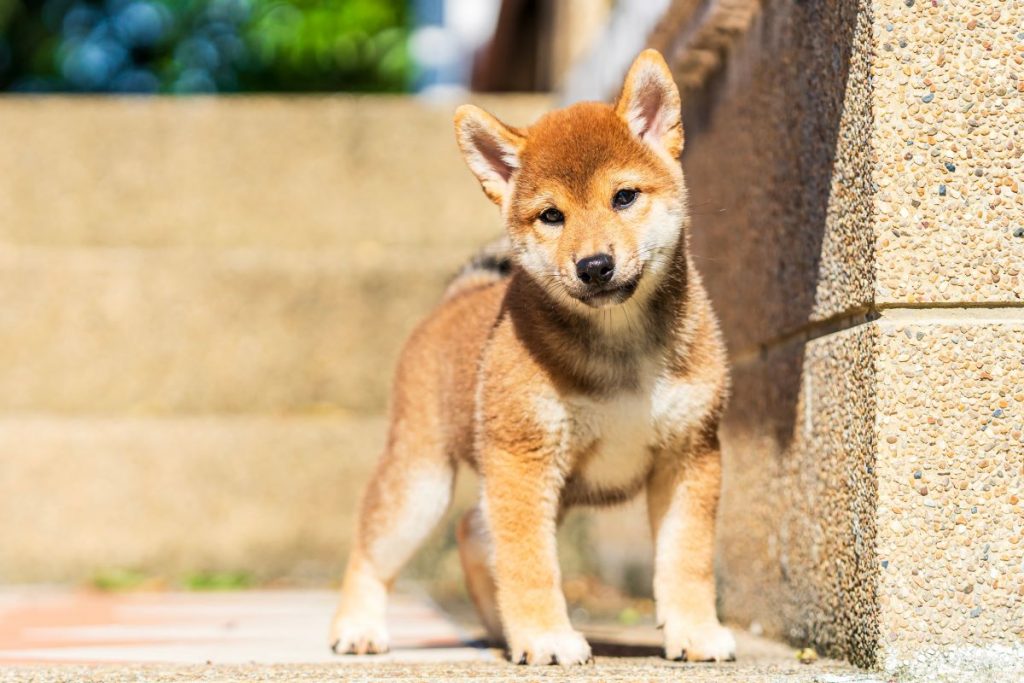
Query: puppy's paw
[(358, 637), (567, 648), (707, 642)]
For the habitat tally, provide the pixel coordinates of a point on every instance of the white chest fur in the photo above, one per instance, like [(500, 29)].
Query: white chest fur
[(612, 440), (607, 444)]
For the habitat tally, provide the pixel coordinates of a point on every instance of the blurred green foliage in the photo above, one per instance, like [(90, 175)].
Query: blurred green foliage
[(189, 46), (217, 581), (118, 579)]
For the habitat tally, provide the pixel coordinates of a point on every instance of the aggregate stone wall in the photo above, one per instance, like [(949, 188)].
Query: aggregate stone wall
[(778, 171), (949, 149), (854, 172), (797, 547), (778, 164), (950, 468)]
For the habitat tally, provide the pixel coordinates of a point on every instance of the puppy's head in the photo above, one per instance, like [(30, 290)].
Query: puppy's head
[(592, 195)]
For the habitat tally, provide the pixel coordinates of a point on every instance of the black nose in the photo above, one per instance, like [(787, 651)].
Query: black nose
[(595, 270)]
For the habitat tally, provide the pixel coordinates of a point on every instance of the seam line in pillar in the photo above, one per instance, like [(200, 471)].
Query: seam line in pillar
[(953, 316), (935, 313), (808, 332)]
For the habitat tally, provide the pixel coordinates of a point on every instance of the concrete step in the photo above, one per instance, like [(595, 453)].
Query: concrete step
[(199, 296), (296, 172), (168, 331), (269, 496), (168, 497)]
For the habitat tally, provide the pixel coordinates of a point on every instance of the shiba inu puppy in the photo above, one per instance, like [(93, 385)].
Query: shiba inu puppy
[(582, 369)]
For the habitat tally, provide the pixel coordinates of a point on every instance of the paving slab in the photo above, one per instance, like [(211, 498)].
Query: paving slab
[(59, 635), (259, 627)]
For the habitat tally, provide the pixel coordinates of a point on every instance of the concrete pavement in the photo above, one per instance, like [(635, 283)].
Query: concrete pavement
[(57, 635)]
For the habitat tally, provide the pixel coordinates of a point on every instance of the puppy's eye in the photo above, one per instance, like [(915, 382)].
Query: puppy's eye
[(624, 198), (552, 217)]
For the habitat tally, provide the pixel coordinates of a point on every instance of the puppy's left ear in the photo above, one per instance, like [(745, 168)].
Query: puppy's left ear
[(650, 105)]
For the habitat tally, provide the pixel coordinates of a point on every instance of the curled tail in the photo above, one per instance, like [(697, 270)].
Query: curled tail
[(491, 264)]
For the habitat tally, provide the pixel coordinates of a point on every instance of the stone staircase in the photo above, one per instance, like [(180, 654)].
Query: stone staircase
[(203, 301)]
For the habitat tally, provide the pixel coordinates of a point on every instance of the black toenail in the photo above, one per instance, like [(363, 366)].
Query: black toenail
[(554, 659), (522, 660)]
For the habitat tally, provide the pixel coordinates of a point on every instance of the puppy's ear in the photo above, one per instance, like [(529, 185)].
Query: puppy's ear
[(492, 149), (650, 106)]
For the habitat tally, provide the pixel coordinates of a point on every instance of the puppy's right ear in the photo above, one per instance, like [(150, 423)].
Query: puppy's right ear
[(492, 149)]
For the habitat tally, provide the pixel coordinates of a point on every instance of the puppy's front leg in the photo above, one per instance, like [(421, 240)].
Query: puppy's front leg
[(682, 500), (521, 497)]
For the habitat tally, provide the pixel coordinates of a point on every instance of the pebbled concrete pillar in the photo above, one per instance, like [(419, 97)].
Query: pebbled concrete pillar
[(855, 170)]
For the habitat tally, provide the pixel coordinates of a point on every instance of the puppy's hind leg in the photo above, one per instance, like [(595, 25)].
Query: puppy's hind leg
[(475, 551), (407, 496)]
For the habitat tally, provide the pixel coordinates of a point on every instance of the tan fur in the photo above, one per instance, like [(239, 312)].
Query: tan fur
[(559, 392)]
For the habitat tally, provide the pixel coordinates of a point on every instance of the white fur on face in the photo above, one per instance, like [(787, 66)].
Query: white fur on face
[(532, 255), (652, 256), (661, 234)]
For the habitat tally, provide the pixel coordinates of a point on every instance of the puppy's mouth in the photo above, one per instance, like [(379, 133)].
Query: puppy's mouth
[(610, 294)]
